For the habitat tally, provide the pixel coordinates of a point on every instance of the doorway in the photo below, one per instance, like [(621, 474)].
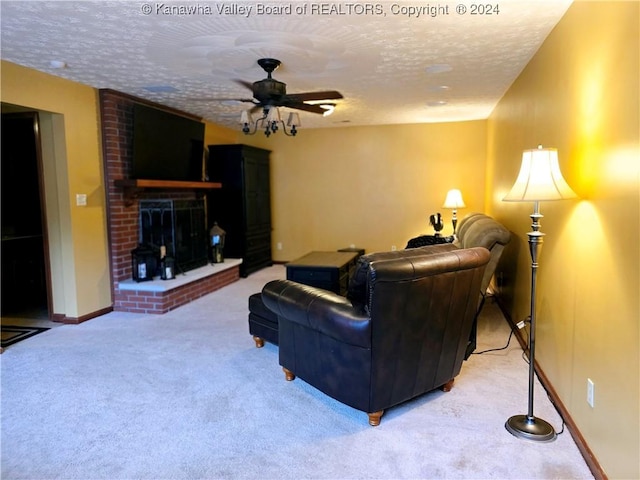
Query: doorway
[(26, 292)]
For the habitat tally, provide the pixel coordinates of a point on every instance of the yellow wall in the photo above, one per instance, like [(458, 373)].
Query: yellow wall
[(82, 230), (580, 94), (72, 161), (373, 187), (216, 135)]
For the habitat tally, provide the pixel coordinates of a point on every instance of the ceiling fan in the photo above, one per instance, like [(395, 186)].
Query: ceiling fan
[(270, 92)]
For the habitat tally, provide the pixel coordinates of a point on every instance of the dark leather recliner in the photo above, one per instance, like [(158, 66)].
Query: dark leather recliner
[(402, 332), (480, 230), (475, 230)]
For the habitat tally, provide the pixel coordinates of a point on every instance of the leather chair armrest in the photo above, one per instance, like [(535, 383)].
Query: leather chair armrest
[(320, 310)]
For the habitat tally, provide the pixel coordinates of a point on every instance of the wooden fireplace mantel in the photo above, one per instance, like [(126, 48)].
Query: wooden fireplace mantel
[(133, 187)]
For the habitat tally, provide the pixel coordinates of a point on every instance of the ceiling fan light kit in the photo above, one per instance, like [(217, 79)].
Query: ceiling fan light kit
[(269, 94), (270, 121)]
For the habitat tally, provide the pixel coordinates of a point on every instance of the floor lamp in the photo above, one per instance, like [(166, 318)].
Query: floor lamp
[(539, 180)]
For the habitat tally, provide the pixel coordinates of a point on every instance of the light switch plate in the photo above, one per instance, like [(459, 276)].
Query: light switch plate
[(81, 199)]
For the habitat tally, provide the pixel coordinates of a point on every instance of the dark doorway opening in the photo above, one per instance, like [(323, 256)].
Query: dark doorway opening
[(25, 264)]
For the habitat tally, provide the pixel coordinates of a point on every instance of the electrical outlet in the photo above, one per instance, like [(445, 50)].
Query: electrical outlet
[(393, 248), (279, 245), (590, 392)]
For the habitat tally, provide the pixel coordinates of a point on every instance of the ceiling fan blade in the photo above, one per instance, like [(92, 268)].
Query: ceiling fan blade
[(271, 92), (302, 106), (219, 99), (244, 83), (311, 96)]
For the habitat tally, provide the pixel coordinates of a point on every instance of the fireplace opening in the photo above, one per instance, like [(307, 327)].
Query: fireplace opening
[(179, 226)]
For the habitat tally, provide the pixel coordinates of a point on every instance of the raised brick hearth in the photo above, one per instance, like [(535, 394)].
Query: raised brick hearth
[(123, 217), (161, 296)]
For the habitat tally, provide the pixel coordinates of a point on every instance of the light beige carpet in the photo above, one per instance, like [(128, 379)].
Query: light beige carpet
[(187, 395)]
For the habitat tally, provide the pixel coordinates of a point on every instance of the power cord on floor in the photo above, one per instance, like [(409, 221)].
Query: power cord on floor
[(560, 415), (526, 359), (496, 349), (508, 341)]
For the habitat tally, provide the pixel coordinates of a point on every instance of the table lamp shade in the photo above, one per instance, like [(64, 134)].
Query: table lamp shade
[(454, 199), (540, 178)]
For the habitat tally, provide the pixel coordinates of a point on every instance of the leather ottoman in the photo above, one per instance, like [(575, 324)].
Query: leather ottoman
[(263, 323)]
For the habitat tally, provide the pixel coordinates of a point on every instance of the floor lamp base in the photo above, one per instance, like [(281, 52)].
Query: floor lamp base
[(530, 428)]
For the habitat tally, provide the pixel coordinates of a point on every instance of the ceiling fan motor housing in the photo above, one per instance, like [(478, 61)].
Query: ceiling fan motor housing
[(269, 89), (269, 92)]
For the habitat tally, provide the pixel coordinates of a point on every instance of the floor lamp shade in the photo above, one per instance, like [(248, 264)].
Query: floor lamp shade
[(539, 180)]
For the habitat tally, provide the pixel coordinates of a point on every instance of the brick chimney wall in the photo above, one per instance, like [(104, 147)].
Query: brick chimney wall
[(122, 219)]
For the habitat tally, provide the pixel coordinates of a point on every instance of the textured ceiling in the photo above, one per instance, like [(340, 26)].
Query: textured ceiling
[(394, 62)]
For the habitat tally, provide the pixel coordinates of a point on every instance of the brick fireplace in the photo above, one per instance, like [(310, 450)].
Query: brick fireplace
[(123, 221), (179, 227)]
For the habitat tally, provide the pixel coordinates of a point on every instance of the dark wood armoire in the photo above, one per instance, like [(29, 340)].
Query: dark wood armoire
[(242, 207)]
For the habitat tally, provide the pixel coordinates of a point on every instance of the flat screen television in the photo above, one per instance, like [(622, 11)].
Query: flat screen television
[(166, 146)]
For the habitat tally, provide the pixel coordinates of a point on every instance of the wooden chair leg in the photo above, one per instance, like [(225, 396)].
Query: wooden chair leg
[(259, 342), (447, 386), (288, 375), (374, 418)]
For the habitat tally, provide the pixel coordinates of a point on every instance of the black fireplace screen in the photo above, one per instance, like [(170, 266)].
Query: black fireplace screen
[(179, 225)]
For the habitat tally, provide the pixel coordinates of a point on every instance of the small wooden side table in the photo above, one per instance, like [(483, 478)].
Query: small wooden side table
[(327, 270)]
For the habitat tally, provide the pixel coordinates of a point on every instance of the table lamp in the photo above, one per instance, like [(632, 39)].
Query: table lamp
[(454, 201)]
